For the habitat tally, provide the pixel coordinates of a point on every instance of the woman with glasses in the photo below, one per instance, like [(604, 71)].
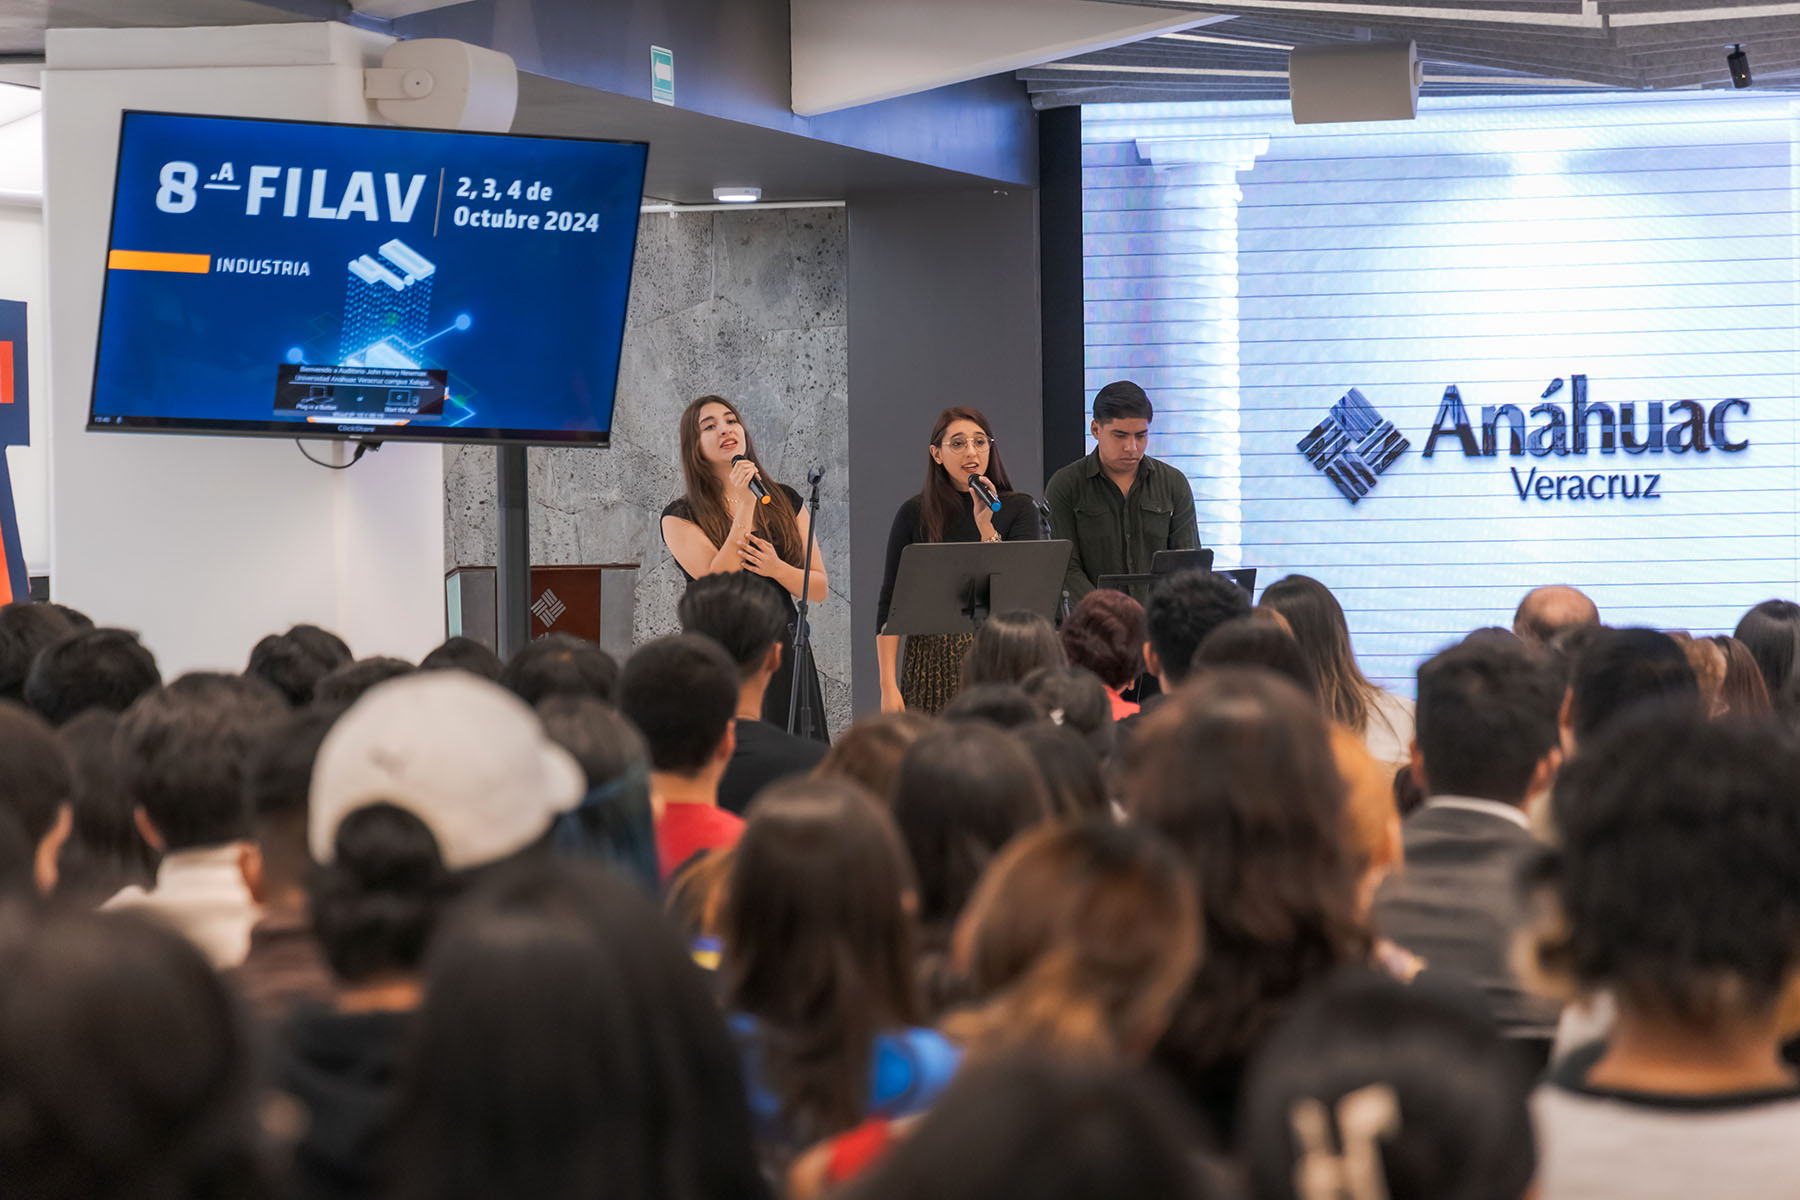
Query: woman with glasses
[(945, 510)]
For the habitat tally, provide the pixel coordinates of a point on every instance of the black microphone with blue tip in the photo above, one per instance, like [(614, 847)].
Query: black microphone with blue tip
[(980, 491), (756, 483)]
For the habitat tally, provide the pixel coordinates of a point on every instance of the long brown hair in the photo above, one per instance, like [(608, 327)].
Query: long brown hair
[(1080, 938), (1236, 771), (939, 499), (775, 520), (818, 945), (1318, 624)]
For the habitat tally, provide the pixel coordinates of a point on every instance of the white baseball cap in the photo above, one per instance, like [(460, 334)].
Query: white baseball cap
[(465, 756)]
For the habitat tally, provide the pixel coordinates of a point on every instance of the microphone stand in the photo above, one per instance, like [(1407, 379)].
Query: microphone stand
[(801, 719)]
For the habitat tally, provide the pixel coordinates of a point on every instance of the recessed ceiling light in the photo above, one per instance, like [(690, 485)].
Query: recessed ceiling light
[(737, 195)]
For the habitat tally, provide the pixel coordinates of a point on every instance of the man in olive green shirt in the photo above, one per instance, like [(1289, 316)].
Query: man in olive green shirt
[(1118, 505)]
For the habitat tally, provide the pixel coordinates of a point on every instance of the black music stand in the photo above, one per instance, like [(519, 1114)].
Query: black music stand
[(951, 587)]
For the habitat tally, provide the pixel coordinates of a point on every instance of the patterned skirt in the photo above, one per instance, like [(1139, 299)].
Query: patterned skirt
[(931, 669)]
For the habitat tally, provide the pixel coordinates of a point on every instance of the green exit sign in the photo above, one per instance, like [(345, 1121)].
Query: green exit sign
[(662, 75)]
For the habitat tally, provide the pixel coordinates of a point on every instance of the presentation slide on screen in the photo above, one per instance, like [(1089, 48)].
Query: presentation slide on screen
[(1434, 363), (267, 275)]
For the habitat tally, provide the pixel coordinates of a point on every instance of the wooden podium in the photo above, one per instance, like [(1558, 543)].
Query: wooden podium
[(564, 599)]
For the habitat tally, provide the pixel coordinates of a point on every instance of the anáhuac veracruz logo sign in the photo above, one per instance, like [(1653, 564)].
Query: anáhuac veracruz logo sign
[(1353, 446)]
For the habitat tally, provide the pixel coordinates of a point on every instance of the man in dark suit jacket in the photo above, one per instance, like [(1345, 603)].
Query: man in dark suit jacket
[(1486, 741), (736, 610)]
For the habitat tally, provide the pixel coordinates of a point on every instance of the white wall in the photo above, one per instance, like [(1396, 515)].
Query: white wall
[(22, 278), (206, 544)]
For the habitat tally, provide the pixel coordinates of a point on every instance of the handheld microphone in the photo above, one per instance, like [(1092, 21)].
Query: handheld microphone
[(756, 483), (980, 492)]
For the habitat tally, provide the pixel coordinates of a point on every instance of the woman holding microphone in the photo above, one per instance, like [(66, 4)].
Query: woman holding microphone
[(946, 510), (732, 518)]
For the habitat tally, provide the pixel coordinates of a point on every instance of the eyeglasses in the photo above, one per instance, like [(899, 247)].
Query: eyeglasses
[(959, 444)]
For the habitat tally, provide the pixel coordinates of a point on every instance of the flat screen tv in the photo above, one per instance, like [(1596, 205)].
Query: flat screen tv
[(301, 279)]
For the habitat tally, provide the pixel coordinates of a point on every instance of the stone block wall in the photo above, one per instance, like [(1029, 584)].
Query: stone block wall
[(750, 306)]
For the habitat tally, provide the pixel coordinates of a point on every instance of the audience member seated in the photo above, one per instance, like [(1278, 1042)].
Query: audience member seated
[(818, 969), (1184, 608), (352, 681), (682, 693), (25, 629), (1672, 887), (1706, 659), (1487, 743), (1372, 821), (419, 787), (97, 668), (1236, 772), (18, 863), (1049, 1130), (613, 823), (1743, 692), (1771, 632), (560, 664), (123, 1072), (565, 1050), (37, 787), (1074, 698), (105, 850), (1546, 612), (964, 791), (1620, 669), (739, 611), (1384, 720), (1106, 634), (1009, 646), (1074, 778), (463, 654), (1254, 643), (1000, 704), (1374, 1091), (283, 967), (869, 752), (77, 619), (294, 662), (182, 752)]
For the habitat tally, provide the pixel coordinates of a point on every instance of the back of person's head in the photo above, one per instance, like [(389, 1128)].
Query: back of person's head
[(77, 619), (1009, 646), (183, 750), (36, 781), (25, 630), (1074, 698), (1256, 644), (1371, 812), (1548, 611), (1375, 1090), (1317, 622), (1665, 804), (613, 823), (294, 662), (566, 1048), (18, 862), (1620, 669), (1003, 704), (1771, 631), (963, 792), (737, 610), (461, 653), (1237, 772), (1742, 693), (1106, 633), (682, 693), (560, 664), (1486, 718), (818, 944), (1186, 606), (1078, 941), (1074, 776), (352, 681), (1706, 659), (105, 850), (1052, 1131), (96, 668), (422, 783), (123, 1070), (869, 752), (277, 783)]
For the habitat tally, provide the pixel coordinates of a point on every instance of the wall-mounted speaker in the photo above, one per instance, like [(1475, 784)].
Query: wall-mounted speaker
[(1356, 81)]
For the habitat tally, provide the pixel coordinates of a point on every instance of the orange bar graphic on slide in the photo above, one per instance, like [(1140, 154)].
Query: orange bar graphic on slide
[(156, 260), (6, 373)]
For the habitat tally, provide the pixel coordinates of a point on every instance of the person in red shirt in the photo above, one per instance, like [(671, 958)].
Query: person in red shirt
[(682, 693)]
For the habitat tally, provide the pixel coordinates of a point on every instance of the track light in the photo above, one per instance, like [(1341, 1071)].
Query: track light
[(1739, 62)]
